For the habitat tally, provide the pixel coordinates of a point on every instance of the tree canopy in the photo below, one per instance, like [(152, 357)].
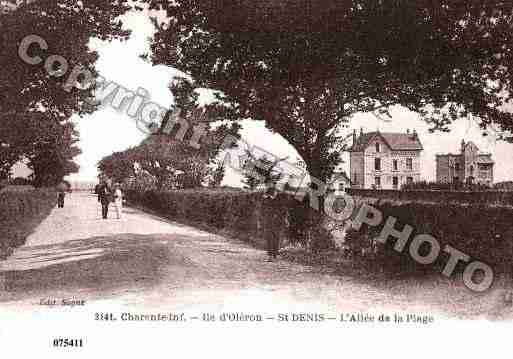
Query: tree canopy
[(260, 171), (443, 59), (38, 92), (173, 160), (67, 26)]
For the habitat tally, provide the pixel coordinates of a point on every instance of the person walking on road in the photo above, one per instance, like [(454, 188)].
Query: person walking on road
[(118, 201), (61, 194), (104, 197), (273, 214), (274, 221)]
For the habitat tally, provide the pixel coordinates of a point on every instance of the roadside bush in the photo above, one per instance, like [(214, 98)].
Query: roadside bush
[(481, 231), (491, 197), (444, 186), (504, 186), (299, 219), (3, 183), (20, 213), (235, 211)]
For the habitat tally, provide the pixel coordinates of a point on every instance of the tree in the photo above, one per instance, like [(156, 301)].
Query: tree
[(119, 165), (177, 160), (257, 171), (12, 142), (47, 142), (67, 27), (8, 157), (188, 156), (50, 147), (305, 72), (218, 175), (31, 91), (250, 181), (162, 159)]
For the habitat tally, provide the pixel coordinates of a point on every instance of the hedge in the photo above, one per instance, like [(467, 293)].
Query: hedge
[(236, 212), (484, 232), (20, 213), (490, 197)]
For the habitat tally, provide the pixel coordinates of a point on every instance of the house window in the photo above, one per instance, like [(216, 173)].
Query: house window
[(457, 167), (396, 165), (377, 164), (409, 164), (484, 171), (341, 187), (409, 180), (378, 147), (395, 182), (377, 181)]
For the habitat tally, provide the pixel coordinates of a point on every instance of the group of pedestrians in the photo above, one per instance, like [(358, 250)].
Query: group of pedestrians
[(273, 214), (107, 195)]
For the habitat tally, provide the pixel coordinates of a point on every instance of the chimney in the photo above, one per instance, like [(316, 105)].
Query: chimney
[(354, 137), (408, 131), (462, 145), (414, 133), (361, 131)]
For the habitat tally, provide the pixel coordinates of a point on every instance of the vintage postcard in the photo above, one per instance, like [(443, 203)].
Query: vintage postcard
[(292, 178)]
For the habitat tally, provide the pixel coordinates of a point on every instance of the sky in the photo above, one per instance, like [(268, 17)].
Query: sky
[(106, 130)]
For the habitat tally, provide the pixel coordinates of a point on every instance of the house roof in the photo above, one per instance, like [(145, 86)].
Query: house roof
[(470, 144), (340, 175), (482, 156), (485, 160), (396, 141)]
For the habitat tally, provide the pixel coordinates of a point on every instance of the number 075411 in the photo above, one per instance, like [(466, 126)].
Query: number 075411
[(68, 343)]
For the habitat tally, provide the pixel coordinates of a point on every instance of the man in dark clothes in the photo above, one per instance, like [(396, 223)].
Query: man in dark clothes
[(104, 197), (61, 189), (274, 221), (60, 199), (273, 212)]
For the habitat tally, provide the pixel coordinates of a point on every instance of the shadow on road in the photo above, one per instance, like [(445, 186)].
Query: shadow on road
[(98, 265)]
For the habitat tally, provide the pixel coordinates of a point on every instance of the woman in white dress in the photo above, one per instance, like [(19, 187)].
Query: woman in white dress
[(118, 200)]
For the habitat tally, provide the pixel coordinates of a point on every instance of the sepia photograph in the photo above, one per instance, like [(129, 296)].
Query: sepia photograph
[(248, 178)]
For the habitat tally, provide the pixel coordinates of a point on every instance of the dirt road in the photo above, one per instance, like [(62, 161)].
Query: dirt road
[(149, 261)]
